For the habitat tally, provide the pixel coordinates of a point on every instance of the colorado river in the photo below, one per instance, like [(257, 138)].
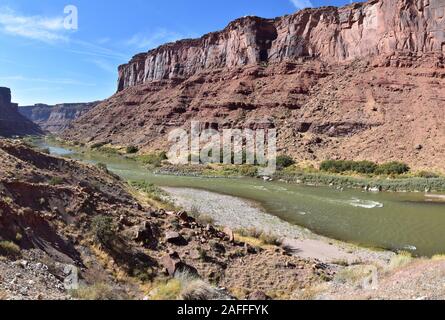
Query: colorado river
[(398, 221)]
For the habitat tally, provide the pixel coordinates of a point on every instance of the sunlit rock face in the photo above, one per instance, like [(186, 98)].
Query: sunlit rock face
[(384, 28)]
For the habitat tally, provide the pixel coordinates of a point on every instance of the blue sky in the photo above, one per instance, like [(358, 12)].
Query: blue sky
[(43, 62)]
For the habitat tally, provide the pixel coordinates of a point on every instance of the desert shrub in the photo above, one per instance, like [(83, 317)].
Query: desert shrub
[(103, 230), (102, 166), (403, 258), (9, 249), (98, 291), (98, 145), (270, 239), (393, 168), (266, 238), (248, 170), (339, 166), (54, 181), (153, 159), (185, 286), (169, 290), (154, 192), (365, 167), (427, 175), (284, 161), (132, 149), (336, 166), (201, 218)]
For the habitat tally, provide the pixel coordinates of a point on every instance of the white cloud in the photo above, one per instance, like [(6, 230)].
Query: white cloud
[(301, 4), (160, 36), (104, 65), (66, 81), (47, 29)]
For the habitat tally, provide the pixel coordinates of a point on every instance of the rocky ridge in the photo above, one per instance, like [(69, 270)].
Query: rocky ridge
[(12, 123), (57, 118)]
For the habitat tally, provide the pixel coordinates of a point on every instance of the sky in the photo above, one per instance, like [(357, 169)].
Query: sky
[(49, 56)]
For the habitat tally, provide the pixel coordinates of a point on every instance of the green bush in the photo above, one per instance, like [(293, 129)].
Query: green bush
[(393, 168), (132, 149), (336, 166), (103, 229), (153, 159), (284, 161), (365, 167)]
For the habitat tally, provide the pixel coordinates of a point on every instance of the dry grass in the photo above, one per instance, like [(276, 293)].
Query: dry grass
[(9, 249), (257, 238), (438, 257), (184, 286), (98, 291), (402, 259), (3, 295)]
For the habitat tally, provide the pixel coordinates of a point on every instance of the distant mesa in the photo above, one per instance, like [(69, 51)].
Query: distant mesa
[(12, 123), (56, 118)]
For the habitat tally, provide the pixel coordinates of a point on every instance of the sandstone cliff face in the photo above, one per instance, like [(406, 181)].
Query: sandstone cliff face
[(12, 123), (362, 82), (56, 118), (376, 28)]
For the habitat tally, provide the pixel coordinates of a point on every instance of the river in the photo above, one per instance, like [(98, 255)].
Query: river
[(413, 222)]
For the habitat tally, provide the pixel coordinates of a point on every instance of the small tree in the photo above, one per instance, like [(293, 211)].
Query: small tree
[(393, 168), (103, 229), (132, 149), (284, 161)]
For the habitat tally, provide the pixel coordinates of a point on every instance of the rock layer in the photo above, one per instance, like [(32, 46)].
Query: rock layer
[(379, 27), (55, 118), (12, 123)]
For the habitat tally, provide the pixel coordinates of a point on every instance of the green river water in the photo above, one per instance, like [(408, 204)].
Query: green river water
[(398, 221)]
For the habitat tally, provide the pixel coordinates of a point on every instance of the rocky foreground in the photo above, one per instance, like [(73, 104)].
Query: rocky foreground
[(360, 82), (74, 231), (57, 214)]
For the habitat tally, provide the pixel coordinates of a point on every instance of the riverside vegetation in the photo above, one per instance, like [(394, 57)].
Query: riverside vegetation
[(391, 176)]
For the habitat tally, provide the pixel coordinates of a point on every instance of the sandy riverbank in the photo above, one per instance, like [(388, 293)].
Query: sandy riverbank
[(237, 213)]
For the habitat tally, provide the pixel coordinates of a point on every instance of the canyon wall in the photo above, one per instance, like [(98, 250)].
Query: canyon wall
[(12, 123), (361, 82), (382, 28), (55, 118)]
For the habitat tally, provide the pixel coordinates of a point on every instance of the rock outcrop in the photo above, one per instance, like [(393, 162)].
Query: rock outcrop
[(365, 81), (12, 123), (55, 118)]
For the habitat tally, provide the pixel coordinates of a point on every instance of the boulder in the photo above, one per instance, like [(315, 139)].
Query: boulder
[(229, 233), (173, 263), (174, 237)]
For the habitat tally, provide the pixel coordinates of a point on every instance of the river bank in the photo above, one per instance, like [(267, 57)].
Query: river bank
[(314, 178), (370, 219), (239, 214)]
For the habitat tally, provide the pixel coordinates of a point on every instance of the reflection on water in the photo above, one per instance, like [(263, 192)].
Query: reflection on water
[(403, 221)]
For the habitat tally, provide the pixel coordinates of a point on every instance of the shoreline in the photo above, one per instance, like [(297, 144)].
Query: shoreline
[(301, 242), (324, 179)]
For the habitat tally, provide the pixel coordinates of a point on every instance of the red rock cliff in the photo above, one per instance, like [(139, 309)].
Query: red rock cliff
[(381, 28)]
